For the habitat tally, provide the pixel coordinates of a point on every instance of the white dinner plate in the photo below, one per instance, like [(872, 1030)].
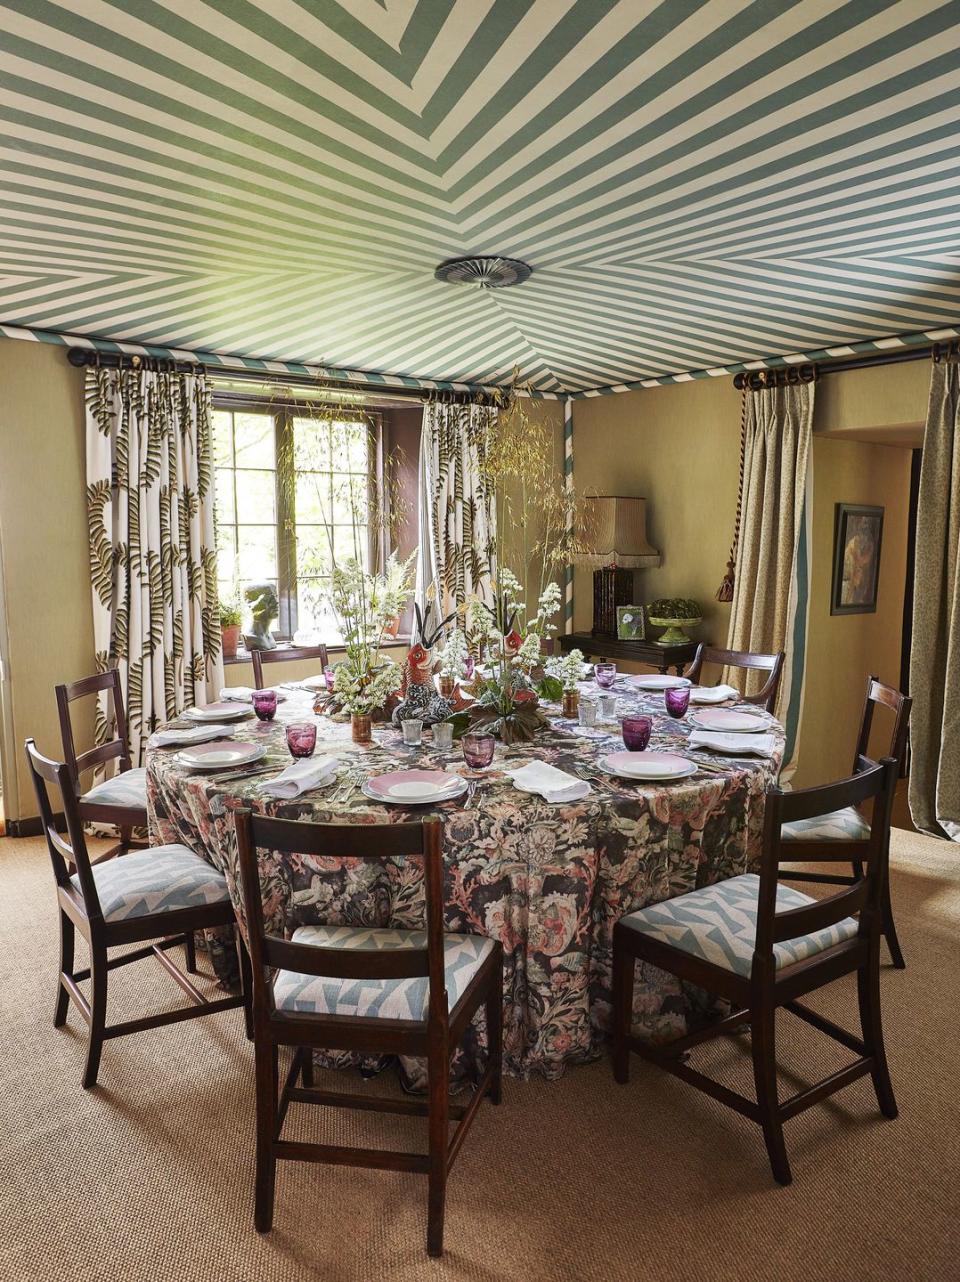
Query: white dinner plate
[(391, 798), (648, 766), (227, 710), (314, 683), (221, 756), (728, 722), (660, 682)]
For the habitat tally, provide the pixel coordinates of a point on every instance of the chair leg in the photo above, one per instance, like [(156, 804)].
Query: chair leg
[(624, 968), (306, 1066), (246, 985), (889, 929), (868, 994), (438, 1070), (98, 1013), (266, 1161), (190, 948), (494, 1014), (764, 1047), (67, 935)]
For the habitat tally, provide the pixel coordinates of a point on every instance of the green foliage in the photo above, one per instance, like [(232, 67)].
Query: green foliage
[(230, 615), (674, 608)]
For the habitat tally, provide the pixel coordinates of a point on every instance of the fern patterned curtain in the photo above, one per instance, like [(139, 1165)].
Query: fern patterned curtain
[(152, 545), (772, 579), (935, 649), (457, 512)]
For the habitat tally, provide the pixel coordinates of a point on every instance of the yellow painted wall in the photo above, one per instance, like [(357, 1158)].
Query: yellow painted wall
[(678, 446), (43, 541)]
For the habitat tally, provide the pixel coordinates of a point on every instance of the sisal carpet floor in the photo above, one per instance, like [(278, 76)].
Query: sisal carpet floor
[(149, 1177)]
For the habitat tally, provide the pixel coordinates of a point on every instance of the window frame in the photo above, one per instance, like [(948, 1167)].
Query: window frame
[(285, 501)]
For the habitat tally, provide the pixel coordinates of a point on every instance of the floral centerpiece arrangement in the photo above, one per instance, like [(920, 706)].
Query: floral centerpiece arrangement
[(568, 670), (365, 604)]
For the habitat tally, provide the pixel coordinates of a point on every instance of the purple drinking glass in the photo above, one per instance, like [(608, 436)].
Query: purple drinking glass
[(606, 674), (328, 678), (265, 704), (478, 750), (677, 700), (302, 738), (636, 733)]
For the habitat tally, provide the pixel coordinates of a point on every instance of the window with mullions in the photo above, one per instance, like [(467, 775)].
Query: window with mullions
[(293, 496)]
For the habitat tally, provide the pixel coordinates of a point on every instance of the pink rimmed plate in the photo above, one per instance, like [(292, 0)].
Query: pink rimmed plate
[(220, 756), (415, 787), (226, 710), (728, 722), (648, 765)]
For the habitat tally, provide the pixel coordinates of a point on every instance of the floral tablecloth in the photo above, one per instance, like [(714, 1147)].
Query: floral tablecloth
[(548, 881)]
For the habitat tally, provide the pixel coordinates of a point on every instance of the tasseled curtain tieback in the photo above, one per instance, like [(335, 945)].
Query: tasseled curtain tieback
[(725, 590)]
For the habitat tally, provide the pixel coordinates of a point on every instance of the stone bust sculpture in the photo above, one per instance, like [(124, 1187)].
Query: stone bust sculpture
[(264, 608)]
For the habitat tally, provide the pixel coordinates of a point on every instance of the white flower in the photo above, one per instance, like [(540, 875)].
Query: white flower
[(567, 668), (453, 655)]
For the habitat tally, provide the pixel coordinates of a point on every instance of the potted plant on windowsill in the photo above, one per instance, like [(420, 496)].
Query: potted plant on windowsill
[(230, 619)]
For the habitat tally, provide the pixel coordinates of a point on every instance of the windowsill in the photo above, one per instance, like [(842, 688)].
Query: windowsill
[(243, 656)]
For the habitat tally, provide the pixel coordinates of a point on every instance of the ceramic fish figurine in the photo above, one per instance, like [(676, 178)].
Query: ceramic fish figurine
[(420, 699)]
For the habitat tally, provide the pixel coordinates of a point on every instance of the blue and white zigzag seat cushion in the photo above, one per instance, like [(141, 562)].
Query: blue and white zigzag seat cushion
[(161, 879), (126, 789), (840, 825), (376, 998), (719, 924)]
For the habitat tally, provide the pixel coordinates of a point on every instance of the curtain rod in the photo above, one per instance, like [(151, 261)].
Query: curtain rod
[(85, 356), (810, 371)]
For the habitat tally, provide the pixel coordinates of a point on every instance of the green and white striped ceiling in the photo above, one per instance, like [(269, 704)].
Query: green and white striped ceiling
[(695, 182)]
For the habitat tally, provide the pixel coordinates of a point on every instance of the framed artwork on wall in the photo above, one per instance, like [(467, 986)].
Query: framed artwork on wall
[(856, 558)]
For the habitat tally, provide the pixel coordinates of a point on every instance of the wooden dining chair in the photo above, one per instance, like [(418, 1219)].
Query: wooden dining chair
[(766, 696), (817, 839), (762, 945), (287, 655), (157, 897), (122, 799), (365, 989)]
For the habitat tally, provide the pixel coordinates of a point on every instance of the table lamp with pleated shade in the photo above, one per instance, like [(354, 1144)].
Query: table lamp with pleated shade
[(614, 541)]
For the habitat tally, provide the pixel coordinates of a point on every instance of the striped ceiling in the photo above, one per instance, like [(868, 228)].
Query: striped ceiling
[(695, 182)]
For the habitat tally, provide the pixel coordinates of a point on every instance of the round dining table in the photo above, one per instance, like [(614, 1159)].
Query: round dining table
[(548, 880)]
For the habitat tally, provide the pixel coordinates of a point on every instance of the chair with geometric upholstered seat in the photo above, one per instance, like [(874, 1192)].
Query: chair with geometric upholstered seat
[(120, 800), (160, 895), (761, 946), (369, 990), (817, 838)]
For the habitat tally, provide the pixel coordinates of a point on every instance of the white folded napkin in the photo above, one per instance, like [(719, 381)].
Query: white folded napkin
[(302, 776), (761, 745), (241, 694), (713, 694), (552, 784), (195, 734)]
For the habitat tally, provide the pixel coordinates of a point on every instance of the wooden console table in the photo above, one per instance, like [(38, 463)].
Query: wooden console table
[(661, 657)]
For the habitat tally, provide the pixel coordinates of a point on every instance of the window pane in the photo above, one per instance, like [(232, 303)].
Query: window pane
[(314, 611), (257, 553), (350, 447), (350, 541), (313, 498), (350, 499), (313, 551), (254, 436), (226, 561), (222, 437), (256, 498), (311, 444), (223, 486)]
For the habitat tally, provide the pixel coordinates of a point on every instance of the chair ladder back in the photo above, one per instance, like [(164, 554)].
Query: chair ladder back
[(881, 695), (773, 663), (876, 782), (63, 853), (370, 842), (119, 747), (289, 654)]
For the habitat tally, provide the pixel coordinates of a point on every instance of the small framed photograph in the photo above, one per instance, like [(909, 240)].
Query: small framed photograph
[(856, 559), (631, 623)]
